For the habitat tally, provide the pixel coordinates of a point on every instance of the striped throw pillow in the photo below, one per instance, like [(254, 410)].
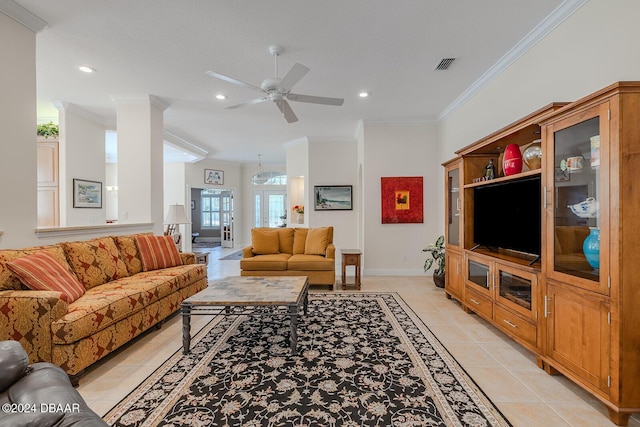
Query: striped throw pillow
[(42, 271), (158, 252)]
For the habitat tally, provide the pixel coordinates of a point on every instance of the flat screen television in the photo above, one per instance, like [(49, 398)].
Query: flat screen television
[(507, 215)]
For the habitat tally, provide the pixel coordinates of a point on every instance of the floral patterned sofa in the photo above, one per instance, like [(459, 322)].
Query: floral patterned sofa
[(75, 302)]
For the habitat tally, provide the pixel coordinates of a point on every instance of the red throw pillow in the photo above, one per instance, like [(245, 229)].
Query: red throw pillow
[(42, 271), (158, 252)]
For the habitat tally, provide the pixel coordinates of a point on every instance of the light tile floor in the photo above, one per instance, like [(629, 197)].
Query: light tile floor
[(506, 372)]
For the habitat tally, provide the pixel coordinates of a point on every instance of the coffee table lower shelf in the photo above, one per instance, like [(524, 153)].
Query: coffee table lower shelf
[(236, 296)]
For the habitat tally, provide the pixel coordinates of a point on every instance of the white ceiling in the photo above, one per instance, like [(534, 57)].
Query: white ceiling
[(164, 47)]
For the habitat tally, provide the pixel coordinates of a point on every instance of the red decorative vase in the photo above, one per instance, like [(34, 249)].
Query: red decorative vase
[(512, 160)]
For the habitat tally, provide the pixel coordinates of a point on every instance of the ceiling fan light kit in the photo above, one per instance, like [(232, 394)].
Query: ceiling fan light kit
[(279, 90)]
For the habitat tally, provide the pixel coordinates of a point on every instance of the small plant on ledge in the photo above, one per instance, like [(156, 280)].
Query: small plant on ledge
[(299, 209), (436, 250), (48, 129)]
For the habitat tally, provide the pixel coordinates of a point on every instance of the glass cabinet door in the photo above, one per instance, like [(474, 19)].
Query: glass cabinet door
[(453, 207), (580, 193), (478, 273), (517, 289)]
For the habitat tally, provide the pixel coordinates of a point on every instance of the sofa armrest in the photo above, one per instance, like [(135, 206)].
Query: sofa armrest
[(188, 258), (247, 252), (331, 251), (26, 316)]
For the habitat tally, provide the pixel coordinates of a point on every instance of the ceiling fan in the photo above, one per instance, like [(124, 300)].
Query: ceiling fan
[(279, 90)]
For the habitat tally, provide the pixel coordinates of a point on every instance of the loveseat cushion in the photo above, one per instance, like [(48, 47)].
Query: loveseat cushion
[(107, 304), (42, 271), (8, 280), (310, 262), (317, 241), (285, 236), (273, 262), (129, 253), (158, 252), (299, 240), (95, 261), (265, 241)]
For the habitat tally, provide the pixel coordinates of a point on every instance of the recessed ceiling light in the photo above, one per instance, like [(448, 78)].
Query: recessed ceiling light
[(221, 96), (86, 69), (363, 94)]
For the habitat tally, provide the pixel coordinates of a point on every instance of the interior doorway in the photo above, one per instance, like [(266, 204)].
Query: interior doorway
[(212, 216)]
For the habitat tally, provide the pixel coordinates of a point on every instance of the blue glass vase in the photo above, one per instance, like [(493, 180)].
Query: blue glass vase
[(591, 247)]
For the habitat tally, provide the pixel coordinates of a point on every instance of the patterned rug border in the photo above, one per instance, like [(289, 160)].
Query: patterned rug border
[(480, 398)]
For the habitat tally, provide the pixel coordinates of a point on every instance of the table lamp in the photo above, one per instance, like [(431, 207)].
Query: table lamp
[(175, 217)]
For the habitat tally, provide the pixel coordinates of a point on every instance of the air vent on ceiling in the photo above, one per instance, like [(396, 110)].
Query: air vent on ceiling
[(445, 64)]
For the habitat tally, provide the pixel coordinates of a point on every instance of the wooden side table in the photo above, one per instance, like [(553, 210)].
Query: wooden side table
[(350, 257), (202, 257)]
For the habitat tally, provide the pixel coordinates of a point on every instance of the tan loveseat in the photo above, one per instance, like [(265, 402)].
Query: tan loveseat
[(122, 295), (291, 252)]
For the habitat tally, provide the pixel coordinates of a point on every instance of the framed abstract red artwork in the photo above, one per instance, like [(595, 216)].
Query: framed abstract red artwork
[(402, 200)]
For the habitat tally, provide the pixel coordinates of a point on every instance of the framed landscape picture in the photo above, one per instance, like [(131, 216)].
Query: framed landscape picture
[(333, 197), (87, 194)]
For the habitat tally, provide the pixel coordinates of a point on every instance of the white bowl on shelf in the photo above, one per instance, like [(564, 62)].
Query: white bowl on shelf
[(586, 209)]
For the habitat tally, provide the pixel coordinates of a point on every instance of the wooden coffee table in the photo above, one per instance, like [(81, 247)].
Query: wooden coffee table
[(233, 296)]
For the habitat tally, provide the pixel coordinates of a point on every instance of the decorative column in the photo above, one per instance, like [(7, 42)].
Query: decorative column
[(140, 159), (18, 209)]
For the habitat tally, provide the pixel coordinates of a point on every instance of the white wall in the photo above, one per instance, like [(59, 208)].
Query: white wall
[(333, 163), (593, 48), (111, 197), (392, 150), (18, 206), (82, 156)]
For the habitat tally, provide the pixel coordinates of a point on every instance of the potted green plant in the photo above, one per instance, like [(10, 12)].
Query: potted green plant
[(48, 129), (436, 251)]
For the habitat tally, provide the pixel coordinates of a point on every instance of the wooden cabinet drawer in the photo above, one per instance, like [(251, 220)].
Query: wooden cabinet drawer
[(515, 325), (351, 259), (478, 303)]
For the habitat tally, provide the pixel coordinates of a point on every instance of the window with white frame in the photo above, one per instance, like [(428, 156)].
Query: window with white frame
[(210, 208)]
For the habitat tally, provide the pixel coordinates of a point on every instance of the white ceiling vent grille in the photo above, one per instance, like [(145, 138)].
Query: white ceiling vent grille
[(445, 64)]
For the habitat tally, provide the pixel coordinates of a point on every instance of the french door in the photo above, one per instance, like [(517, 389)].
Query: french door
[(226, 216), (270, 208)]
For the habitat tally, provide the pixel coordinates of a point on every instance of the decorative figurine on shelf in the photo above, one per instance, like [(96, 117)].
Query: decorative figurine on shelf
[(489, 170)]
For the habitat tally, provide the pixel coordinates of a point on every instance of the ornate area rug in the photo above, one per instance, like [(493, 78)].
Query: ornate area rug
[(363, 359)]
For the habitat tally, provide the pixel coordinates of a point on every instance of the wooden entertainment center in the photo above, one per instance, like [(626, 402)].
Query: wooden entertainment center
[(574, 305)]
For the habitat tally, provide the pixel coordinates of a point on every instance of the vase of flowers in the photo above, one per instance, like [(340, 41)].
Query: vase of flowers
[(436, 250), (299, 209)]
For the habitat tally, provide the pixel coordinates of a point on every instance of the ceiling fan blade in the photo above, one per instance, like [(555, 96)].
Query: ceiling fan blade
[(242, 104), (294, 75), (287, 112), (315, 99), (232, 80)]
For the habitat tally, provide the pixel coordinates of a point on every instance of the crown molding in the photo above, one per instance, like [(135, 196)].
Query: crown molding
[(548, 24), (19, 14), (335, 138), (75, 109), (184, 145), (416, 121), (141, 98), (297, 141)]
